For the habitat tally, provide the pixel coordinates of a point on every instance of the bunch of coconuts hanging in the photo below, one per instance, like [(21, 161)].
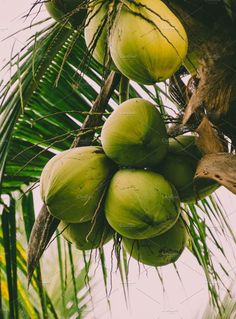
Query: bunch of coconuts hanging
[(125, 186), (145, 40)]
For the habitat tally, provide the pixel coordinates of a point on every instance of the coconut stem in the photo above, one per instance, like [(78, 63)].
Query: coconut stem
[(99, 105), (123, 89)]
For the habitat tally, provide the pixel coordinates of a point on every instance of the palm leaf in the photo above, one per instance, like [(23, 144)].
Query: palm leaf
[(39, 303), (230, 6), (229, 306)]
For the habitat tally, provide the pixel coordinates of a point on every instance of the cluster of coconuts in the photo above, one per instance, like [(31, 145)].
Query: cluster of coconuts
[(132, 185), (134, 182), (144, 39)]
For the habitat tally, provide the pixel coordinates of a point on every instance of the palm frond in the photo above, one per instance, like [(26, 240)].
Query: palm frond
[(38, 302), (228, 308)]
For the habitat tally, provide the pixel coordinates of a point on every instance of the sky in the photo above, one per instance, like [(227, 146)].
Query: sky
[(184, 299)]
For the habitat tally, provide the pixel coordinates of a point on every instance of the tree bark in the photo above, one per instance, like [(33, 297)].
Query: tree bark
[(212, 51)]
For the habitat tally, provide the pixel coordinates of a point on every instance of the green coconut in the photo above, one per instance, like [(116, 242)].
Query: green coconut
[(179, 167), (96, 31), (88, 235), (160, 250), (70, 11), (73, 182), (141, 204), (147, 42), (135, 134), (185, 144), (191, 62)]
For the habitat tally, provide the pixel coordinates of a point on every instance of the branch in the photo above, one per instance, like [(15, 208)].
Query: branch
[(99, 106)]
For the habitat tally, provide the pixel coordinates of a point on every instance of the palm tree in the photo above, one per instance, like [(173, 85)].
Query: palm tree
[(57, 98)]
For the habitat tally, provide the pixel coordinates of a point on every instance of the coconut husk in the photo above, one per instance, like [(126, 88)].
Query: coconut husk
[(221, 167)]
